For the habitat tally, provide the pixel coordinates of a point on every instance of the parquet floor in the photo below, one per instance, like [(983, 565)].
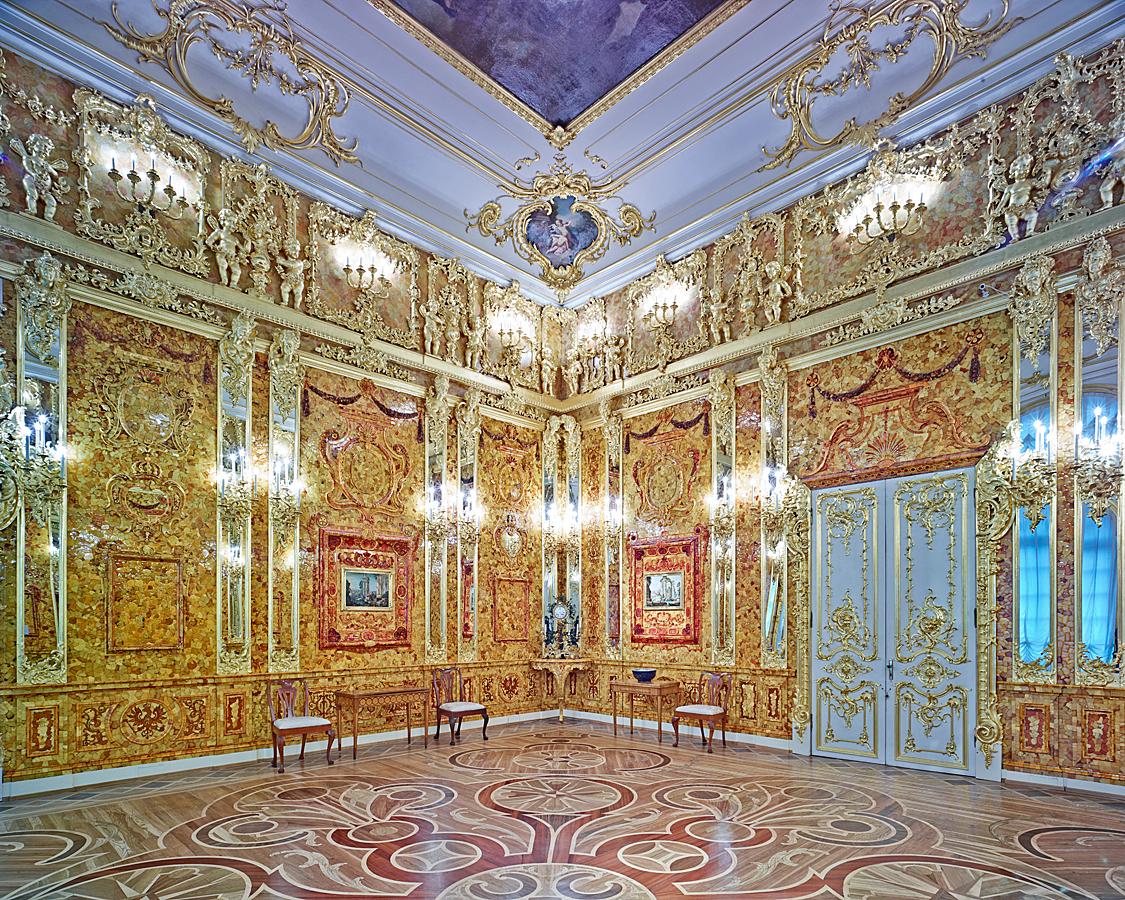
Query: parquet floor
[(563, 811)]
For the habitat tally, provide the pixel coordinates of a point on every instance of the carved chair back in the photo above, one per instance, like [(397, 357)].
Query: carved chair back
[(449, 686), (287, 691), (714, 688)]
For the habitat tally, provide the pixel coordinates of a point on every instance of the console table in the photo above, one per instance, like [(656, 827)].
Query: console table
[(634, 689), (407, 694), (561, 669)]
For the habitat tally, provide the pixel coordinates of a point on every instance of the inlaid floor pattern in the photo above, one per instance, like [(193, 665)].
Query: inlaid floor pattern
[(563, 811)]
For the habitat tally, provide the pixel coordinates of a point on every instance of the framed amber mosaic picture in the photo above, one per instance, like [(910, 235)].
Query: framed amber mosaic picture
[(369, 590)]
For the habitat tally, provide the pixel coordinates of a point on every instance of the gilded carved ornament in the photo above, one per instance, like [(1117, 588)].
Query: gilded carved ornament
[(43, 181), (333, 235), (40, 111), (44, 299), (367, 355), (236, 358), (1100, 292), (1032, 304), (560, 222), (265, 50), (146, 229), (147, 289), (287, 375), (656, 298), (848, 31)]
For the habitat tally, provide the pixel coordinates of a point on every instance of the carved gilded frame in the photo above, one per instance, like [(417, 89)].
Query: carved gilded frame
[(143, 230), (468, 523), (721, 397), (284, 451), (235, 499), (437, 514), (773, 484), (33, 490)]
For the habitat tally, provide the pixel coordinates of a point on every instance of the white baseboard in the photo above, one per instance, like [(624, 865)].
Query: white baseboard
[(623, 729), (28, 786), (1064, 782)]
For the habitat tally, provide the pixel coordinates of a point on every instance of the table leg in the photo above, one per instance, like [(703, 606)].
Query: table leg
[(355, 726), (632, 697), (659, 719), (408, 722), (425, 722), (613, 695)]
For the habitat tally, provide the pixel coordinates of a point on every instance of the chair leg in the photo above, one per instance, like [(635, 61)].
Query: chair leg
[(723, 726), (331, 738), (281, 754), (304, 738), (274, 751), (437, 734), (459, 721), (453, 730), (701, 737), (711, 736), (676, 730), (484, 727)]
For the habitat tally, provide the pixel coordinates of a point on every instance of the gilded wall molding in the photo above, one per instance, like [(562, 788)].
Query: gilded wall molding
[(721, 399), (848, 31), (276, 56)]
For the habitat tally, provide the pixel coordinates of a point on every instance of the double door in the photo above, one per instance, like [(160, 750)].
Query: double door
[(893, 637)]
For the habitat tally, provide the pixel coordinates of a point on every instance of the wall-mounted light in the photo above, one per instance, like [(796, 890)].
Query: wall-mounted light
[(364, 267), (888, 200)]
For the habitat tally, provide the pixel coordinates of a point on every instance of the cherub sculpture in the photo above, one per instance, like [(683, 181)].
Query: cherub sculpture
[(1016, 200), (774, 288), (292, 270), (572, 373), (749, 291), (1113, 169), (474, 342), (42, 179), (227, 246), (548, 370), (431, 328), (718, 315), (614, 357)]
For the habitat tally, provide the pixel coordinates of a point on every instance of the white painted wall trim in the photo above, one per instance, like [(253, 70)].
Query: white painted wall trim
[(1061, 781), (28, 786)]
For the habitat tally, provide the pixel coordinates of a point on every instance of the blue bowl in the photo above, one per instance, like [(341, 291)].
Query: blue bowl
[(644, 675)]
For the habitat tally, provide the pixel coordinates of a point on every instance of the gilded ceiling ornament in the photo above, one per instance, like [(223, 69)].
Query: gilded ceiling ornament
[(265, 51), (1100, 292), (1032, 304), (143, 229), (848, 32), (560, 224), (236, 358), (44, 300)]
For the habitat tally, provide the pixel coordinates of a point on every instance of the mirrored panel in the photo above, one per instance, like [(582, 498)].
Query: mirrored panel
[(469, 517), (286, 377)]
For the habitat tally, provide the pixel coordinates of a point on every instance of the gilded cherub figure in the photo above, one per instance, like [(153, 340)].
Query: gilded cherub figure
[(719, 316), (475, 345), (748, 285), (292, 270), (1063, 170), (1112, 170), (614, 357), (775, 289), (572, 373), (42, 179), (1016, 200), (548, 370), (432, 325), (452, 323), (227, 246)]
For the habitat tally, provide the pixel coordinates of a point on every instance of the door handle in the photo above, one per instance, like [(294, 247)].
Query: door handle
[(890, 676)]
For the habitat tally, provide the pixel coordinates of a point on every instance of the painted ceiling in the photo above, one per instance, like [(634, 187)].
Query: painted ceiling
[(425, 139), (558, 56)]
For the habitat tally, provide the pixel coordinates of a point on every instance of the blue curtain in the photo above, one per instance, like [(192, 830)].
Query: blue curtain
[(1099, 554)]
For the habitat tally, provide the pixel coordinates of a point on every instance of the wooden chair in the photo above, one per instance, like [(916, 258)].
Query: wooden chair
[(289, 722), (449, 701), (714, 692)]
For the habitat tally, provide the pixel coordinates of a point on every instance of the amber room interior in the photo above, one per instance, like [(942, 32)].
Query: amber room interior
[(424, 421)]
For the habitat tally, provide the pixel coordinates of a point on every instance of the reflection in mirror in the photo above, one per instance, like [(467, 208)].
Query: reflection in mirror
[(772, 489), (1034, 475), (469, 517), (237, 483), (1097, 502), (437, 513), (33, 497), (572, 553), (286, 377)]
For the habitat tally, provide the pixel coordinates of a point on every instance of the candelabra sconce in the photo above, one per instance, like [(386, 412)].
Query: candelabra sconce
[(1098, 469), (1033, 476), (469, 523), (561, 534), (366, 275), (660, 319), (31, 469), (438, 521), (237, 488), (143, 190), (888, 200), (887, 219), (776, 485)]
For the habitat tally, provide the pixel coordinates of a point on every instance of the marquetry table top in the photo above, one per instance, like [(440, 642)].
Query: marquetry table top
[(661, 687)]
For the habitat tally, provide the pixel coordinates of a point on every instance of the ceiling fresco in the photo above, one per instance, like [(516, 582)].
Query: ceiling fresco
[(558, 56)]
